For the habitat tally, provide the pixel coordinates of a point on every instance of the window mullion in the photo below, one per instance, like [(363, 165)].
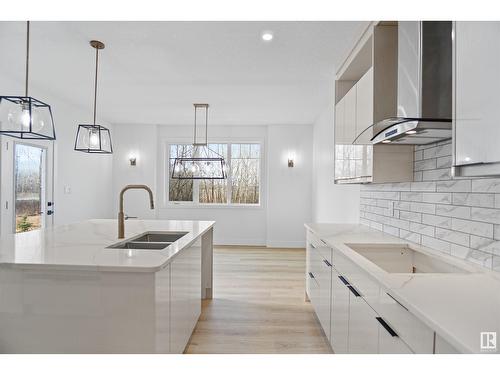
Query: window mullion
[(229, 177)]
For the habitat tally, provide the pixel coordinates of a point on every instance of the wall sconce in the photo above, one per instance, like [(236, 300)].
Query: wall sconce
[(291, 158), (133, 160)]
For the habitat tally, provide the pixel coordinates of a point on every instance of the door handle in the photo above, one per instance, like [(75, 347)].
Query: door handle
[(354, 291), (384, 324), (344, 280), (327, 263)]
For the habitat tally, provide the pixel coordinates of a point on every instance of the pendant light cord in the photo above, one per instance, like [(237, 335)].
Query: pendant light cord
[(27, 56), (95, 82)]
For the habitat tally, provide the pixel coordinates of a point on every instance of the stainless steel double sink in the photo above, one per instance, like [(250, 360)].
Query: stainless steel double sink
[(149, 241)]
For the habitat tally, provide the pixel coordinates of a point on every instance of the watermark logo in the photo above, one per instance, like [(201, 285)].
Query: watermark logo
[(489, 341)]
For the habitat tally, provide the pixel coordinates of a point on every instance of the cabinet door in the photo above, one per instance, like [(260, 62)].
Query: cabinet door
[(321, 299), (363, 326), (389, 342), (476, 82), (340, 315), (194, 254), (339, 122), (350, 116), (364, 108)]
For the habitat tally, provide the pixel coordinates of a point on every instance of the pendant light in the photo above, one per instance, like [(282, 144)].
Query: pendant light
[(25, 117), (94, 139), (199, 162)]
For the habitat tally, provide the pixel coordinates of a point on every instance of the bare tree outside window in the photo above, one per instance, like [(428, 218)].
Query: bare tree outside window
[(214, 191), (179, 190), (243, 169), (245, 173)]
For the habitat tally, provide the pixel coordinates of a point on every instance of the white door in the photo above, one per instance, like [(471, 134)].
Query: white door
[(27, 187)]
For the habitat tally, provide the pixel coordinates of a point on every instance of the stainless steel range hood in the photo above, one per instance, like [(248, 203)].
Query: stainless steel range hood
[(424, 94)]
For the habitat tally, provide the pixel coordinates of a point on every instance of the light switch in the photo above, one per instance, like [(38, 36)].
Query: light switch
[(67, 189)]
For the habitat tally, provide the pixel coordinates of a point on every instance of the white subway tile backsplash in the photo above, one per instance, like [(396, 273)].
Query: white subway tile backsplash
[(459, 217), (453, 211), (437, 221), (473, 199), (455, 237), (411, 196), (436, 174), (419, 155), (423, 165), (489, 215), (444, 198), (427, 208), (459, 186), (410, 216), (472, 227), (423, 186), (486, 185), (436, 244), (422, 229), (444, 162)]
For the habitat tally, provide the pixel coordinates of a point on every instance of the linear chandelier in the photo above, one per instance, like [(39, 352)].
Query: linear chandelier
[(25, 117), (94, 138), (199, 162)]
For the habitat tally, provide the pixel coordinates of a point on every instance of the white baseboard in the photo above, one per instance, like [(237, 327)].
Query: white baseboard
[(287, 244)]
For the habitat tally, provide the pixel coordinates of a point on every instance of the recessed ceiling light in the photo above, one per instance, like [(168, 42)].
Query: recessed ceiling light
[(411, 132), (267, 36), (386, 141)]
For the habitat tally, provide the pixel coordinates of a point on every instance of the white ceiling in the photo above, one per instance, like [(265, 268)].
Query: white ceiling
[(152, 72)]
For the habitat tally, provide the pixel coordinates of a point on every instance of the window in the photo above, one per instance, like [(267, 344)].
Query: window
[(242, 185)]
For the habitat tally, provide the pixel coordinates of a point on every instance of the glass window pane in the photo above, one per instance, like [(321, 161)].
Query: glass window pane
[(179, 190), (214, 191), (245, 177), (28, 187)]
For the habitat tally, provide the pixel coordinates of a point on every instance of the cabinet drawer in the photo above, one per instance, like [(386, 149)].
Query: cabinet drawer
[(416, 334), (315, 243), (359, 279), (444, 347)]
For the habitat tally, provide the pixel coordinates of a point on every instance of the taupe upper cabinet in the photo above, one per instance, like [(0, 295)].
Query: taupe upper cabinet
[(365, 93), (476, 111)]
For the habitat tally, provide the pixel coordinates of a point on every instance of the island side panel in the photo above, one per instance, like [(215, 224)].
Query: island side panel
[(207, 264)]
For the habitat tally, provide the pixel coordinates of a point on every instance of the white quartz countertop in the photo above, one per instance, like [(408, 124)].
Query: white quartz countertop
[(457, 306), (83, 246)]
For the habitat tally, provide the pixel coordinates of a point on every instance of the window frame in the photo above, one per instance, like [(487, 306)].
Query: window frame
[(195, 203)]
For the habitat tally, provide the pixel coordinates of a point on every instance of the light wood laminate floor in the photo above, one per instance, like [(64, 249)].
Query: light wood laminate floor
[(258, 305)]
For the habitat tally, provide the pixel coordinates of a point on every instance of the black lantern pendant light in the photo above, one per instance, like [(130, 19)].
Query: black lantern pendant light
[(25, 117), (199, 162), (94, 139)]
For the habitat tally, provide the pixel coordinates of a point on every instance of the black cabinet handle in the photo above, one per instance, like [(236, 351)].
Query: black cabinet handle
[(312, 246), (343, 279), (386, 326), (327, 263), (311, 275), (354, 291)]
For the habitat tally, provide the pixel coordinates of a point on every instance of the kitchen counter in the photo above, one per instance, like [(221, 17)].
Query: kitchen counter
[(83, 246), (458, 307)]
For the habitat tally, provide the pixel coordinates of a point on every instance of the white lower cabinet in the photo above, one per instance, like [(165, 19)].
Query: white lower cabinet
[(444, 347), (363, 326), (340, 315), (320, 279), (185, 296), (356, 313)]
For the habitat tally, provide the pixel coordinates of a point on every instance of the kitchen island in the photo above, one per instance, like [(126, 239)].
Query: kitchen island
[(64, 290)]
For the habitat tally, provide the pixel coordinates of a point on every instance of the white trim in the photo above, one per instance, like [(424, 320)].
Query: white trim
[(286, 244)]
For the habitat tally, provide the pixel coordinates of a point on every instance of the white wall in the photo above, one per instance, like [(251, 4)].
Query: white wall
[(331, 203), (235, 225), (89, 177), (289, 194)]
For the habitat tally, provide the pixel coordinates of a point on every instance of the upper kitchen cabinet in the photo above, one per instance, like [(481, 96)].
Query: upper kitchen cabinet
[(365, 93), (476, 79)]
